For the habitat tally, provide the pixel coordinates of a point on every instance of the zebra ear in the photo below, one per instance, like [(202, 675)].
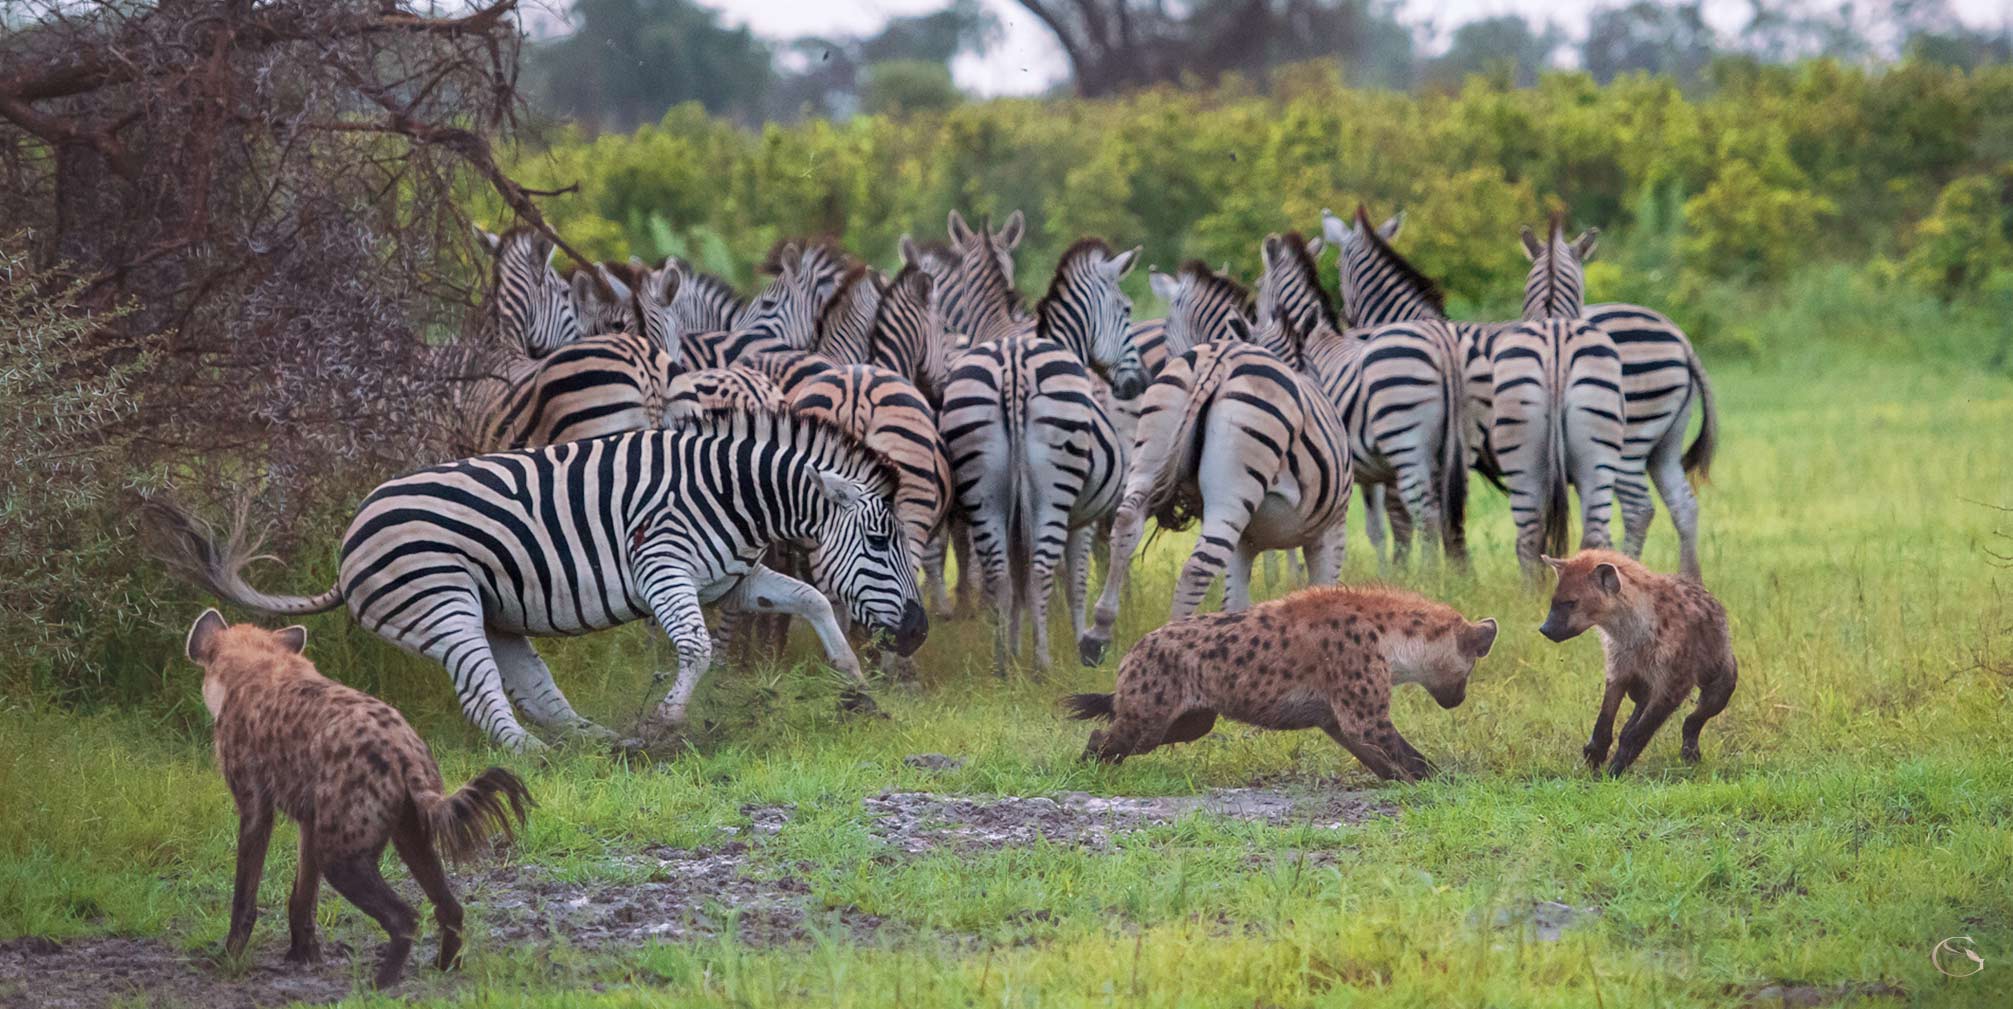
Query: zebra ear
[(1389, 229), (1162, 285), (293, 639), (960, 231), (1268, 250), (1240, 328), (661, 285), (840, 492), (583, 287), (1314, 247), (1122, 264), (490, 240), (916, 284), (911, 256), (202, 643), (1583, 246), (614, 283), (1532, 248), (1333, 229), (1014, 230)]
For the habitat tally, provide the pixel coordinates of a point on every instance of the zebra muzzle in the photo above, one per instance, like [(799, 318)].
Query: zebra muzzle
[(914, 628)]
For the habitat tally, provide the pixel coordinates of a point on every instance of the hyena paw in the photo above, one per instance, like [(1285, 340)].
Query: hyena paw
[(305, 952), (1594, 752)]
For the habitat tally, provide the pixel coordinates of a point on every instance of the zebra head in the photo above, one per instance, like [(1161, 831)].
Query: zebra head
[(1289, 284), (861, 555), (1556, 286), (909, 337), (1202, 305), (1086, 311), (658, 295), (1378, 285), (822, 265), (786, 309), (529, 306), (997, 244), (602, 300)]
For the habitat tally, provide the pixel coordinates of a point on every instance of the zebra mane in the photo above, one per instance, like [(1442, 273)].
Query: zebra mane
[(1215, 284), (1303, 261), (910, 274), (942, 252), (838, 303), (699, 280), (1426, 287), (853, 458), (772, 261)]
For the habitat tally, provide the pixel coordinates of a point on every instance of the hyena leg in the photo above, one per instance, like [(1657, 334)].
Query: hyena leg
[(255, 832), (1237, 579), (1643, 724), (1603, 736), (1712, 698), (357, 879), (1126, 527), (420, 856), (1376, 742), (302, 945), (528, 681), (1667, 469), (768, 591), (462, 645)]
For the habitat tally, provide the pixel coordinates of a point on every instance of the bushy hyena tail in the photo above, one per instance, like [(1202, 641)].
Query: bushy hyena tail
[(190, 548), (461, 823), (1089, 706)]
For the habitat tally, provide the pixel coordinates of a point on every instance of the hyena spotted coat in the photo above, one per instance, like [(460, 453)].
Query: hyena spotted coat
[(1663, 636), (349, 770), (1323, 658)]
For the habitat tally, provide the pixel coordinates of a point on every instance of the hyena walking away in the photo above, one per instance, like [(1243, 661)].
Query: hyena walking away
[(1663, 635), (1323, 658), (347, 768)]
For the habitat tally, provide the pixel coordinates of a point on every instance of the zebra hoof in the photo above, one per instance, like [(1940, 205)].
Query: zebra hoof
[(1090, 650), (855, 701)]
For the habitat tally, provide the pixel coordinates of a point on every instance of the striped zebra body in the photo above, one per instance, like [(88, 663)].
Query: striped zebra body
[(465, 562), (1235, 436), (888, 415), (596, 386), (783, 318), (697, 394), (1661, 378), (1398, 390), (1035, 458), (1556, 417)]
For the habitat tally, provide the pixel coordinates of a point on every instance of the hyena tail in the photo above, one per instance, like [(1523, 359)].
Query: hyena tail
[(194, 551), (1088, 706), (459, 824)]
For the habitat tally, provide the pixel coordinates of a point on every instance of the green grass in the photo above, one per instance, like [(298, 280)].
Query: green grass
[(1855, 804)]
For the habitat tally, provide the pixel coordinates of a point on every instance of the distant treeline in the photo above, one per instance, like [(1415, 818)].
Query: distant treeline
[(1905, 171)]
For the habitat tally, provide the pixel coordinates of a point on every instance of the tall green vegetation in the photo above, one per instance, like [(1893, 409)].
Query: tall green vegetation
[(1771, 171)]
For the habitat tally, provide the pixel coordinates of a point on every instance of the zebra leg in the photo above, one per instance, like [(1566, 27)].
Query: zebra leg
[(1126, 527), (1050, 538), (766, 590), (461, 643), (528, 680), (971, 577), (1373, 525), (934, 587), (1421, 507), (1667, 469), (1594, 478), (1324, 556), (1272, 568), (1632, 496), (1237, 580), (674, 599), (1077, 559), (1214, 550)]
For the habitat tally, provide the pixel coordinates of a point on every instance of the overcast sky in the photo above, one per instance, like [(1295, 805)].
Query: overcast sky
[(1027, 59)]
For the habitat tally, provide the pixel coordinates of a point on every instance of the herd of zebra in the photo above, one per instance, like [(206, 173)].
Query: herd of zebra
[(639, 441)]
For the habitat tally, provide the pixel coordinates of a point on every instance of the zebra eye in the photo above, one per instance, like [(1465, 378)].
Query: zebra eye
[(879, 541)]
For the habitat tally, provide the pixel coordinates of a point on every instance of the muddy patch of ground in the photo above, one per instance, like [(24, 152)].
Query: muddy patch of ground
[(680, 895), (917, 822)]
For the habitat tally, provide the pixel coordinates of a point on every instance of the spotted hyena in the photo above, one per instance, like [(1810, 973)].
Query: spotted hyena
[(1323, 658), (1662, 635), (353, 774)]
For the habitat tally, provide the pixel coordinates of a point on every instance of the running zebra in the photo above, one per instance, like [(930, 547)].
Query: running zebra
[(1233, 435), (1035, 458), (465, 562), (1661, 377), (1396, 389)]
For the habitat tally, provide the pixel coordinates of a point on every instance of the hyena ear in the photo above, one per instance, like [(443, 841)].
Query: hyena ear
[(202, 644), (1531, 244), (1608, 578), (293, 639), (1477, 639), (843, 494)]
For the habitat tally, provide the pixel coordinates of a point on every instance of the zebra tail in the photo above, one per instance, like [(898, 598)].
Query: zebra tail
[(1555, 508), (1698, 458), (1167, 441), (194, 552), (1454, 465), (492, 803)]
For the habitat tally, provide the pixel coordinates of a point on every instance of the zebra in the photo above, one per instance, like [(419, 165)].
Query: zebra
[(1035, 458), (1232, 434), (465, 562), (695, 394), (1556, 288), (1398, 390), (821, 262), (782, 318), (1556, 413), (1661, 377), (603, 299), (703, 302), (974, 277), (528, 307)]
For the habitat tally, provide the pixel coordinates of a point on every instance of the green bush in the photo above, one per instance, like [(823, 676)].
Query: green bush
[(1968, 237)]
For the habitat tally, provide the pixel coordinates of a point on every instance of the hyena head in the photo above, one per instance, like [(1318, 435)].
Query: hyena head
[(1589, 589), (1440, 657), (861, 556), (228, 654)]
